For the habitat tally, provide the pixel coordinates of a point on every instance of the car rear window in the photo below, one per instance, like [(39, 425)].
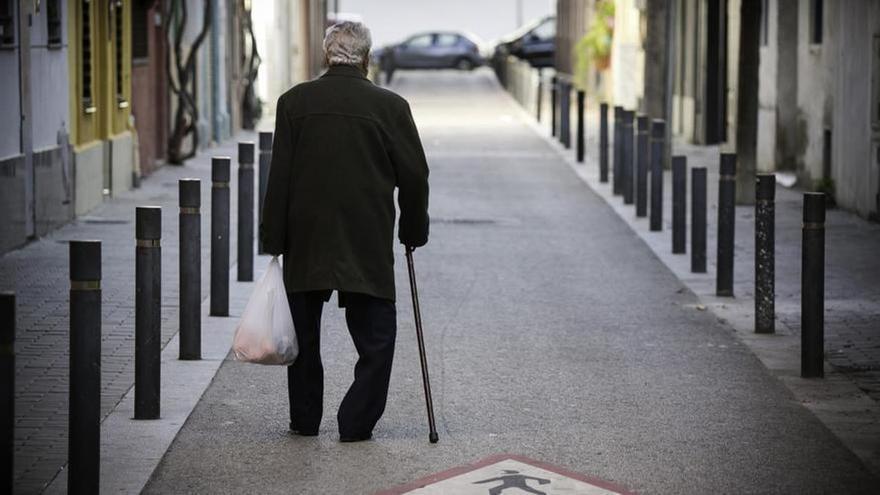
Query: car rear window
[(445, 39)]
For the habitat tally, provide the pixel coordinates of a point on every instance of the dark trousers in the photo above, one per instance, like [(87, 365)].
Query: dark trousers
[(372, 323)]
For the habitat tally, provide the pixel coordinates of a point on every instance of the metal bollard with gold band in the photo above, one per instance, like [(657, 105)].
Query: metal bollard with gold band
[(220, 207), (148, 308), (190, 268), (245, 244), (84, 413), (726, 225), (813, 286)]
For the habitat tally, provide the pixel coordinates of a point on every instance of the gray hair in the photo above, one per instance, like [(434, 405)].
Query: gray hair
[(347, 43)]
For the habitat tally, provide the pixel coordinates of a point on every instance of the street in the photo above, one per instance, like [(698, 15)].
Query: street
[(553, 332)]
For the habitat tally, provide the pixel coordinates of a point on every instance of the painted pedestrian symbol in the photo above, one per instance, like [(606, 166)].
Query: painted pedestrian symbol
[(507, 474), (513, 479)]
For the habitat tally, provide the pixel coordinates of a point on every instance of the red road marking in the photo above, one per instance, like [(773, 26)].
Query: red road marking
[(456, 471)]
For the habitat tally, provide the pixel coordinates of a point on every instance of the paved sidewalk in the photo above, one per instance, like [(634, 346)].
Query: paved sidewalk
[(552, 331), (846, 399), (38, 273)]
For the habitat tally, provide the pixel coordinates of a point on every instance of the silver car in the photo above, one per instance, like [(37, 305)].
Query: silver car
[(434, 50)]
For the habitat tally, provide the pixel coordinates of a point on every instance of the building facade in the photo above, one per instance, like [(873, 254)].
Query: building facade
[(100, 100), (37, 191), (149, 84), (88, 99), (817, 100)]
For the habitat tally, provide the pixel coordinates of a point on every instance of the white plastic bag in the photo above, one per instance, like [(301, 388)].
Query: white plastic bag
[(265, 334)]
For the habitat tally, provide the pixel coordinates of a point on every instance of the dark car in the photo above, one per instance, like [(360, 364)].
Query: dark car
[(535, 42), (435, 50)]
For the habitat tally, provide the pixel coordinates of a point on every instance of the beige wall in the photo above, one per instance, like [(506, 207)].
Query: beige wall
[(688, 65), (855, 141), (733, 31), (88, 167), (627, 57)]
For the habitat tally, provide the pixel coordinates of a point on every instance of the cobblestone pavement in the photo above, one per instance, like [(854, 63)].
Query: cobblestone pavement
[(852, 271), (38, 273)]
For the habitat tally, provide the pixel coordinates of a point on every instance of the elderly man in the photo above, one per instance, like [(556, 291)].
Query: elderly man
[(342, 145)]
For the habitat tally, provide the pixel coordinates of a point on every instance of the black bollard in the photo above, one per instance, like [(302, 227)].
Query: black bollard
[(616, 182), (220, 166), (190, 264), (726, 222), (679, 204), (7, 388), (84, 420), (813, 287), (565, 113), (580, 126), (603, 142), (643, 129), (553, 100), (265, 162), (765, 247), (698, 219), (148, 312), (627, 156), (658, 152), (245, 212)]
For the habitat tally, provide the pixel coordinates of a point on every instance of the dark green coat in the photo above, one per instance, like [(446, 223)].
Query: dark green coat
[(341, 146)]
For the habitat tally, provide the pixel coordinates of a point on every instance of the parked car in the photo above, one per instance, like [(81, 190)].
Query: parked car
[(534, 42), (433, 50)]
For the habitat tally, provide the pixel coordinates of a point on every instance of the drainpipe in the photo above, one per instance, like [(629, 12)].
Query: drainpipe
[(216, 101)]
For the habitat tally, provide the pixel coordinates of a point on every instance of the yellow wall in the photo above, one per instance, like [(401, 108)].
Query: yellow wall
[(107, 116)]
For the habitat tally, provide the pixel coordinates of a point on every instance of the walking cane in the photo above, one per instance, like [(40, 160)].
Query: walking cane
[(432, 436)]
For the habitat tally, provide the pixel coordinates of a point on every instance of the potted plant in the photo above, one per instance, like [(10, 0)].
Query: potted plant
[(595, 47)]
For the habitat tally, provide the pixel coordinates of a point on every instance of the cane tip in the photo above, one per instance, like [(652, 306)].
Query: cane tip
[(433, 437)]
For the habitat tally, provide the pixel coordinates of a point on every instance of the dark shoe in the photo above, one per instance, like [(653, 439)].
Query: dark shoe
[(355, 438), (295, 430), (309, 433)]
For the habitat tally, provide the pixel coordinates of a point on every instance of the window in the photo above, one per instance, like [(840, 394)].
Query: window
[(118, 46), (422, 41), (816, 24), (140, 35), (7, 23), (447, 39), (765, 22), (85, 41), (546, 31)]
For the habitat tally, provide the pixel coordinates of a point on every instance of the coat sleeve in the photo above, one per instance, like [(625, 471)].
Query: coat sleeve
[(411, 166), (274, 224)]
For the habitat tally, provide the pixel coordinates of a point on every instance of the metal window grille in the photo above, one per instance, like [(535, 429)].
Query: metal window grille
[(118, 45), (53, 22), (86, 51), (140, 35)]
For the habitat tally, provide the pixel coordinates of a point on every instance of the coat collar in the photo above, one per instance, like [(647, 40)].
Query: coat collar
[(344, 71)]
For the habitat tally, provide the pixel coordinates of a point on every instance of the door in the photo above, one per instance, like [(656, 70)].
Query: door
[(447, 50)]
